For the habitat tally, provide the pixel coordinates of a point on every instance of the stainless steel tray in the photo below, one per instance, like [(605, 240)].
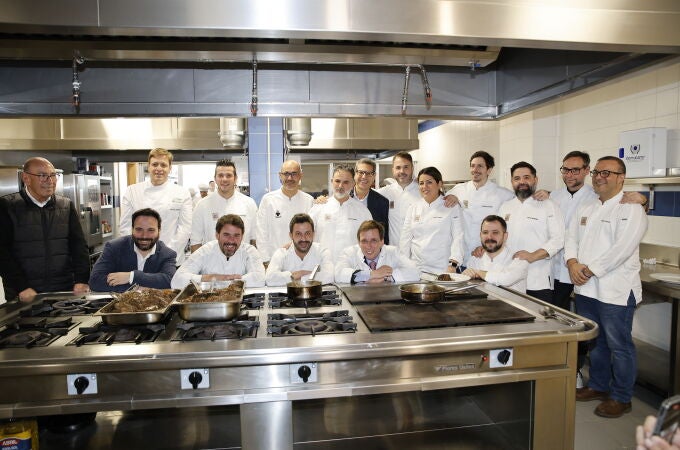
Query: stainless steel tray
[(208, 311), (131, 318)]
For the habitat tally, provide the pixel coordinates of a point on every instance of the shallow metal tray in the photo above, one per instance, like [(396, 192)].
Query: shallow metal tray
[(208, 311), (131, 318)]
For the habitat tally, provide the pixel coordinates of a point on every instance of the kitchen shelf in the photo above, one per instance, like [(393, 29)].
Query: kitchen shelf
[(652, 182)]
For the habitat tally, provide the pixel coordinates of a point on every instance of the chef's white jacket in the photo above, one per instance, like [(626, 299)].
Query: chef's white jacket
[(401, 200), (285, 261), (353, 259), (503, 270), (606, 238), (476, 205), (171, 201), (336, 224), (209, 259), (208, 211), (432, 235), (568, 204), (273, 219), (534, 224)]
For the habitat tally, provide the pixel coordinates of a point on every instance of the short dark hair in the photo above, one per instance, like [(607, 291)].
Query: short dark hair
[(431, 171), (495, 218), (146, 212), (225, 163), (622, 165), (300, 218), (523, 164), (577, 154), (403, 155), (345, 167), (367, 225), (488, 159), (368, 161), (230, 219)]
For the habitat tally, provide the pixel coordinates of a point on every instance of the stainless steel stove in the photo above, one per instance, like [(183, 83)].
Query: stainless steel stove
[(290, 367)]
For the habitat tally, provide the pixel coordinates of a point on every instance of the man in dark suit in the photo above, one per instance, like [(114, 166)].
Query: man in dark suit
[(378, 205), (136, 259)]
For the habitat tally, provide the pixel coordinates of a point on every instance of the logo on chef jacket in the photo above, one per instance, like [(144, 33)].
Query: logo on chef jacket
[(584, 220), (466, 204), (416, 219), (507, 217), (392, 204), (277, 214), (327, 217), (215, 216)]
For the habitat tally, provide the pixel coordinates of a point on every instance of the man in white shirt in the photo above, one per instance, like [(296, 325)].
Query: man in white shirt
[(295, 262), (173, 203), (478, 198), (278, 207), (223, 259), (226, 200), (372, 261), (338, 220), (602, 254), (497, 265), (402, 194), (535, 229)]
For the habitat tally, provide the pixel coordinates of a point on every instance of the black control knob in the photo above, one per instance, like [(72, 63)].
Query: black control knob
[(195, 379), (504, 356), (304, 372), (81, 383)]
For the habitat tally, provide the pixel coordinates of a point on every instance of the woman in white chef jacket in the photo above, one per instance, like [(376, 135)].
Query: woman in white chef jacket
[(432, 235)]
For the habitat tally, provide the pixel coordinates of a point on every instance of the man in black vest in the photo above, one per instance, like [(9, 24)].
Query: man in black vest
[(42, 246)]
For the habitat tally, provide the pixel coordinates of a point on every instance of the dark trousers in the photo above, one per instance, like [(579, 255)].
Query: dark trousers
[(541, 294), (562, 294)]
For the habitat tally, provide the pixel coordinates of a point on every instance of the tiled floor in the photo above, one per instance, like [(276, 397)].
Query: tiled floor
[(598, 433)]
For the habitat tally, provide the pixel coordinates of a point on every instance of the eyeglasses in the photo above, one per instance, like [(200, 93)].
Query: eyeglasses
[(45, 176), (603, 173), (364, 173), (573, 171), (289, 174)]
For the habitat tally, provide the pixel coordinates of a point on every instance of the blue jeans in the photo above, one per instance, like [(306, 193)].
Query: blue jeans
[(613, 364)]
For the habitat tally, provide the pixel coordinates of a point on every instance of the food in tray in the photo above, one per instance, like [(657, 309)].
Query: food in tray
[(143, 300), (228, 294), (444, 277)]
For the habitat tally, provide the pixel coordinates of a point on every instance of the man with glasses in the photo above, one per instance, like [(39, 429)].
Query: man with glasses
[(225, 200), (377, 204), (296, 262), (278, 207), (372, 261), (42, 246), (602, 255)]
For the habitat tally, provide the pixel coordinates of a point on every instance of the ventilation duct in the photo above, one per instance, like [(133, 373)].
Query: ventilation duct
[(232, 132), (298, 131)]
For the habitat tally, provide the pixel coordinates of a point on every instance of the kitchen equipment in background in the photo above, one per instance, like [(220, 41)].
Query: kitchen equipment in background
[(84, 192), (644, 152)]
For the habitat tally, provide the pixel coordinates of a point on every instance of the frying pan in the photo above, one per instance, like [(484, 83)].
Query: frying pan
[(426, 292)]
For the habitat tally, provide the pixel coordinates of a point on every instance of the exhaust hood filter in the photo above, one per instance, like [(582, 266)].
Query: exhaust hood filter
[(232, 132), (298, 131)]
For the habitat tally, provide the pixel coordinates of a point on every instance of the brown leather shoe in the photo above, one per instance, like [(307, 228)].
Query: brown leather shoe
[(613, 409), (586, 394)]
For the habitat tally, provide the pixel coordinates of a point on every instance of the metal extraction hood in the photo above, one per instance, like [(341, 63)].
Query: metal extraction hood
[(318, 58)]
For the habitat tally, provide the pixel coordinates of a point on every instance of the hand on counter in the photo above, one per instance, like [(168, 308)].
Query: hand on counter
[(382, 273), (27, 295), (645, 440), (81, 288)]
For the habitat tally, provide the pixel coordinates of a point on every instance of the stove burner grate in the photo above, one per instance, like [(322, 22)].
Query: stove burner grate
[(117, 334), (281, 300), (66, 307), (30, 332), (253, 301), (243, 326), (310, 324)]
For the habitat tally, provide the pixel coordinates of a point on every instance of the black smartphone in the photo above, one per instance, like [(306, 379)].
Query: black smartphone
[(668, 417)]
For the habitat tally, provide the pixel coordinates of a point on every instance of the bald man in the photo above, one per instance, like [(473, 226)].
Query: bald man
[(42, 246), (278, 207)]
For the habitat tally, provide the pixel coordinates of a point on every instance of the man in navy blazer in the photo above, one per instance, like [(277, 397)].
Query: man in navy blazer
[(139, 258), (377, 204)]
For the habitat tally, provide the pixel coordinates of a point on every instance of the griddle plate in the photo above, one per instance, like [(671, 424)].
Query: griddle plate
[(404, 316)]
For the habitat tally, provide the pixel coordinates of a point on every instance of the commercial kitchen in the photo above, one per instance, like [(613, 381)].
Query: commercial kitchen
[(94, 85)]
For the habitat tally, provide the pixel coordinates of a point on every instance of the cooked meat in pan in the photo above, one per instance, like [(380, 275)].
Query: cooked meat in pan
[(142, 301)]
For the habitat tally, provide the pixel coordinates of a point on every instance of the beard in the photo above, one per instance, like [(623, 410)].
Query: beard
[(229, 249), (340, 195), (302, 246), (524, 191), (491, 246), (144, 244)]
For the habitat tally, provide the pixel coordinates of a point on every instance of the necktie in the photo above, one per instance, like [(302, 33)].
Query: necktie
[(372, 264)]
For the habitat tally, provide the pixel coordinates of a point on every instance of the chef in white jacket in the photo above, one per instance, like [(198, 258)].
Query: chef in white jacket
[(336, 222), (223, 259), (278, 207), (497, 265), (535, 229), (433, 234), (225, 200), (371, 261), (296, 261), (173, 203)]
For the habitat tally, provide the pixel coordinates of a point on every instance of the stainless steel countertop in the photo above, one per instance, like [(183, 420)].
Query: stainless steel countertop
[(659, 287), (265, 349)]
